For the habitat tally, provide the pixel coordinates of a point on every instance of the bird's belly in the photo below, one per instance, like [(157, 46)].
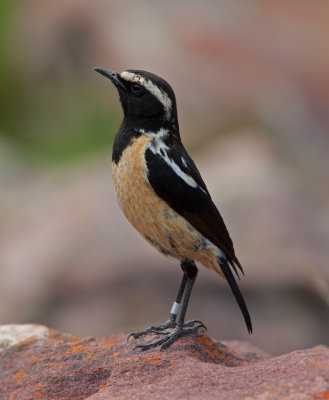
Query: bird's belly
[(151, 216)]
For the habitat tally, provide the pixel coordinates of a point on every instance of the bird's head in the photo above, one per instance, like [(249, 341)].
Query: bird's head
[(148, 101)]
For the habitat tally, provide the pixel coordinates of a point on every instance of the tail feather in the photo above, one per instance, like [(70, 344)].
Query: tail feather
[(224, 265)]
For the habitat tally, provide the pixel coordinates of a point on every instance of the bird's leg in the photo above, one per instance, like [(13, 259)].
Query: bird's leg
[(171, 322), (180, 328), (191, 271)]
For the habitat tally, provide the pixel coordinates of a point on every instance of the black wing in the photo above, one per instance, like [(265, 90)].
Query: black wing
[(175, 178), (194, 203)]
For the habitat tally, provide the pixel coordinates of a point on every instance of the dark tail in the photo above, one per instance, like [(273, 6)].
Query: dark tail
[(236, 291)]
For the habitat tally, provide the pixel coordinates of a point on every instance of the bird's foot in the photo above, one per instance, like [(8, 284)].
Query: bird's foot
[(157, 329), (170, 336)]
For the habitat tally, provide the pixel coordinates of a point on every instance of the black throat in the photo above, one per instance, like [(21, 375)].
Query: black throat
[(122, 139)]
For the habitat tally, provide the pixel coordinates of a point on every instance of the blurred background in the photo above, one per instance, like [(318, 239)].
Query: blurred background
[(252, 85)]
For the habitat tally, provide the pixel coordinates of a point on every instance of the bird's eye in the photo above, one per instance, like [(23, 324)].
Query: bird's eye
[(136, 88)]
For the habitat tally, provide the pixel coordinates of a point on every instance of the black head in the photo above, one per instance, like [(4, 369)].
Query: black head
[(148, 101)]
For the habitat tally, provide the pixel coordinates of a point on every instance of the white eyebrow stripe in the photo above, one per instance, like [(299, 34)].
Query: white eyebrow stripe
[(155, 146), (151, 87)]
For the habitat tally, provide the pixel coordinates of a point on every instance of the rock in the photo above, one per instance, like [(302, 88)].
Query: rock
[(38, 362), (10, 335)]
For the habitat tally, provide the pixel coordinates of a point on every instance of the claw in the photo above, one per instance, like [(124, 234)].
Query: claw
[(132, 334), (144, 347), (158, 330), (169, 336), (194, 322)]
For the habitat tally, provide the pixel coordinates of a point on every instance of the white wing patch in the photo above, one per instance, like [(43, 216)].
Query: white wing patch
[(161, 133), (158, 147), (152, 88), (184, 162)]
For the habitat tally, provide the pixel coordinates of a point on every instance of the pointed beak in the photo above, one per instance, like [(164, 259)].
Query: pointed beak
[(113, 76)]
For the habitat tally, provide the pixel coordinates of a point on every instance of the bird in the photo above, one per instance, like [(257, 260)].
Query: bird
[(164, 197)]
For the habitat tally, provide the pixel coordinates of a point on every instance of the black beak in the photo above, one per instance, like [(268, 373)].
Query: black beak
[(111, 75)]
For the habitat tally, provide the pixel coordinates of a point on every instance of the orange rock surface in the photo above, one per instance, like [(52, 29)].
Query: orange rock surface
[(40, 363)]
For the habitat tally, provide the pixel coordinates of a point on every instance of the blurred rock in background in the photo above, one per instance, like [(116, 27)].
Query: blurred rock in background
[(253, 96)]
